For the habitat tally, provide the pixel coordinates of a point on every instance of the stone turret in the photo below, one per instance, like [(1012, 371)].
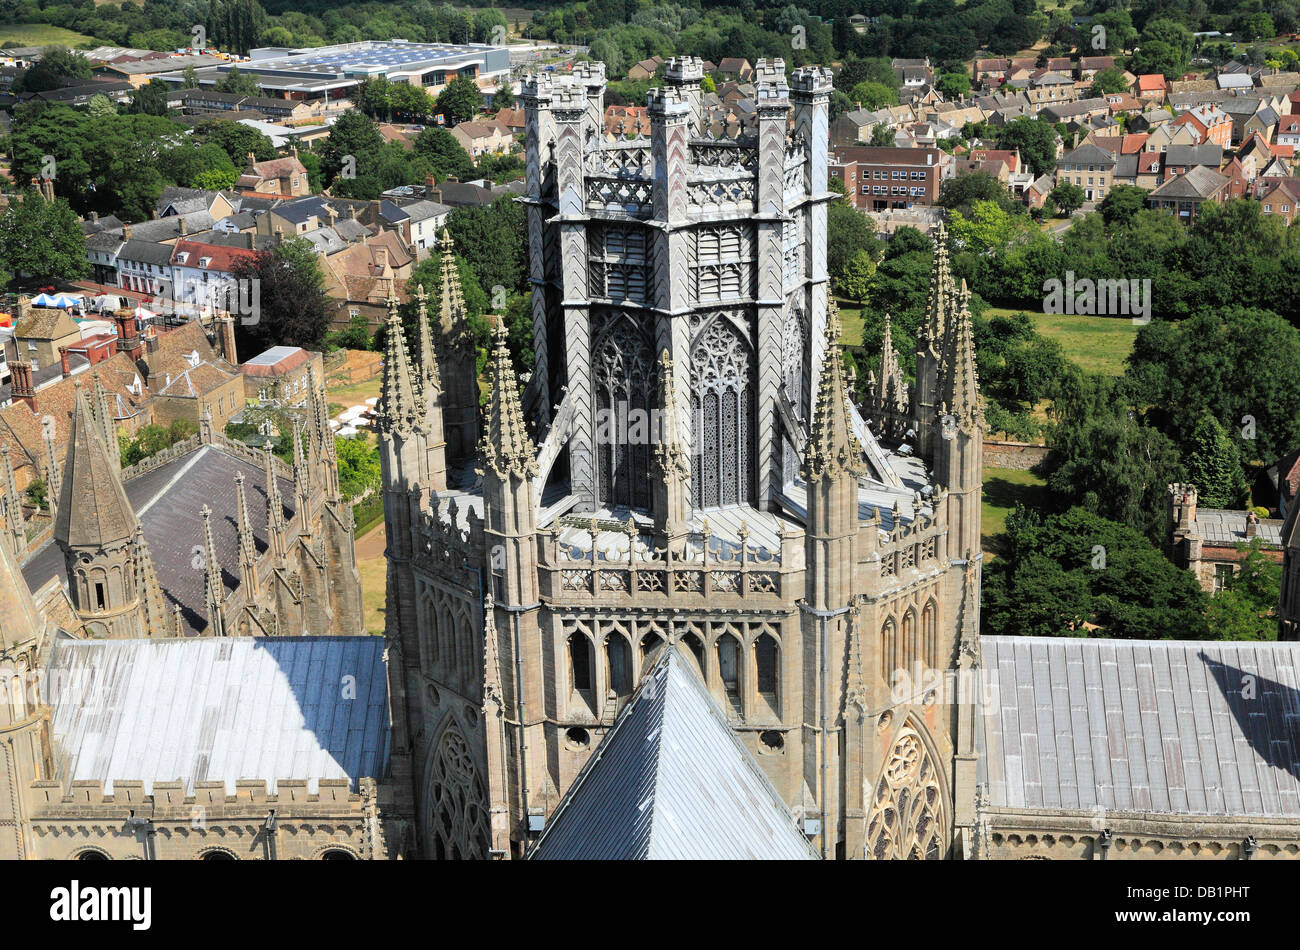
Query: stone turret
[(13, 525), (96, 527), (456, 358)]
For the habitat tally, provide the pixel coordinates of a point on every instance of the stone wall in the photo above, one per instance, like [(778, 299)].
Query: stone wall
[(1017, 455)]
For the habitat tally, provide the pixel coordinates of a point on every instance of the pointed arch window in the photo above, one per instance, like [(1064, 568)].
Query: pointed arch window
[(456, 814), (618, 660), (907, 818), (888, 650), (728, 649), (624, 392), (930, 635), (767, 677), (722, 416)]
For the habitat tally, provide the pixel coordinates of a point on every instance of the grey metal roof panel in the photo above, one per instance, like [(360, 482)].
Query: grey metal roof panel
[(1161, 726), (194, 710), (671, 781)]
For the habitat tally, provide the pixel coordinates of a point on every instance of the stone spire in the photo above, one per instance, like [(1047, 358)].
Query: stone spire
[(153, 611), (93, 508), (939, 300), (833, 447), (15, 525), (428, 359), (104, 416), (961, 384), (451, 304), (274, 504), (892, 392), (247, 545), (397, 405), (302, 481), (506, 447), (214, 590)]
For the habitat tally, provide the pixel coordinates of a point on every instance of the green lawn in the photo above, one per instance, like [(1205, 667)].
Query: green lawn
[(41, 34), (1003, 487), (1096, 344), (852, 322)]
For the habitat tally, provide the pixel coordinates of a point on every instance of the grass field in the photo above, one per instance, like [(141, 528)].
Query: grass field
[(355, 395), (374, 571), (852, 321), (41, 34), (1096, 344), (1003, 487)]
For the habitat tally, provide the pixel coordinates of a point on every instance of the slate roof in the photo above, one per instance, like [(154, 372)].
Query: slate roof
[(166, 500), (93, 509), (1210, 155), (1224, 526), (1159, 727), (1199, 182), (222, 709), (671, 781), (146, 252)]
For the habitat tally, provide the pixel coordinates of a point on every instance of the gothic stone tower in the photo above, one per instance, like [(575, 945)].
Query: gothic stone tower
[(825, 585)]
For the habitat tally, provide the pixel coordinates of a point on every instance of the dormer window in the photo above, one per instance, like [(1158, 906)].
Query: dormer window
[(204, 261), (182, 257)]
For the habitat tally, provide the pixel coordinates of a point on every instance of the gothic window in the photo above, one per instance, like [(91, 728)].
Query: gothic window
[(625, 386), (649, 643), (696, 646), (580, 665), (722, 417), (729, 668), (907, 818), (908, 651), (618, 657), (930, 635), (456, 814), (888, 650), (766, 657)]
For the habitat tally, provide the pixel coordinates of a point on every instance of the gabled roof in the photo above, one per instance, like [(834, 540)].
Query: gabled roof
[(671, 781), (1149, 726), (1199, 182), (1088, 155), (220, 709)]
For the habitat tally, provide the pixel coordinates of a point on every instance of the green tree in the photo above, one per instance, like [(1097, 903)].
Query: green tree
[(1036, 139), (873, 95), (359, 472), (1066, 574), (190, 78), (460, 100), (42, 240), (100, 105), (150, 99), (492, 240), (1246, 609), (1257, 26), (960, 192), (855, 281), (882, 136), (1067, 196), (37, 493), (1109, 80), (238, 83), (1121, 204), (848, 232), (57, 64), (237, 140), (953, 85), (1213, 465), (291, 306), (236, 25), (448, 157)]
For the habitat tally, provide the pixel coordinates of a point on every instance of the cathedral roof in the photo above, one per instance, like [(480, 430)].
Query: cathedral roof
[(219, 709), (167, 500), (93, 509), (1151, 726), (671, 781)]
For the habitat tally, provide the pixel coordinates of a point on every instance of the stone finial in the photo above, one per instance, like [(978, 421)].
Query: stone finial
[(397, 405), (506, 446), (833, 448)]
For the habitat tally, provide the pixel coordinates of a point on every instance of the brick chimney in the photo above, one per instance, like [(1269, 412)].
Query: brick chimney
[(1252, 524), (126, 232), (226, 337), (63, 362), (24, 307), (128, 332), (22, 387)]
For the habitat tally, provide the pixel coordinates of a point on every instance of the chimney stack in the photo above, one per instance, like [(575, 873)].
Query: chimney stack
[(63, 362), (21, 385)]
